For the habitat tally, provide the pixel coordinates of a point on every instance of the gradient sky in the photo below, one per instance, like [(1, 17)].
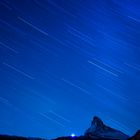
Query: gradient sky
[(64, 61)]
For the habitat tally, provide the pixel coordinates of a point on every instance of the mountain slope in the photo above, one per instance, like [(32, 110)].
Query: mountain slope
[(99, 130), (136, 136)]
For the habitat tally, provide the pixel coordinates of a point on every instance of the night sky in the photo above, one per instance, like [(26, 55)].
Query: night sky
[(64, 61)]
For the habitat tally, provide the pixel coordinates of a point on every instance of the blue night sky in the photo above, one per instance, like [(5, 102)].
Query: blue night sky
[(64, 61)]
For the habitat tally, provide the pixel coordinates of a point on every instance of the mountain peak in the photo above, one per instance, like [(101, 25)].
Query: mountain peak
[(99, 130), (97, 122)]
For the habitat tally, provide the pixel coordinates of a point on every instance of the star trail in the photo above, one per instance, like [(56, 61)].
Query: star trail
[(64, 61)]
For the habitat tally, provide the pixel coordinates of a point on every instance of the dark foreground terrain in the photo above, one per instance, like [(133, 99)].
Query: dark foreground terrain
[(97, 131)]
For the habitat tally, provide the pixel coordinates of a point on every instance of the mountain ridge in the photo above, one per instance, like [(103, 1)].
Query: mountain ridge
[(97, 131)]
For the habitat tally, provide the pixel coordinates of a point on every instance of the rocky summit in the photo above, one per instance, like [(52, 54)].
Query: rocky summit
[(99, 130)]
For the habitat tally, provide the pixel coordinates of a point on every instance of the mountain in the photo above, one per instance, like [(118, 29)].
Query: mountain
[(136, 136), (97, 131), (7, 137)]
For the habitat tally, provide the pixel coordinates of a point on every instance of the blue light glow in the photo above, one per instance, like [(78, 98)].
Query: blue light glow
[(72, 135)]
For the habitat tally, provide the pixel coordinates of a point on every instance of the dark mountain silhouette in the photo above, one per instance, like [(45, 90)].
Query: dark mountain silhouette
[(136, 136), (97, 131), (7, 137)]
